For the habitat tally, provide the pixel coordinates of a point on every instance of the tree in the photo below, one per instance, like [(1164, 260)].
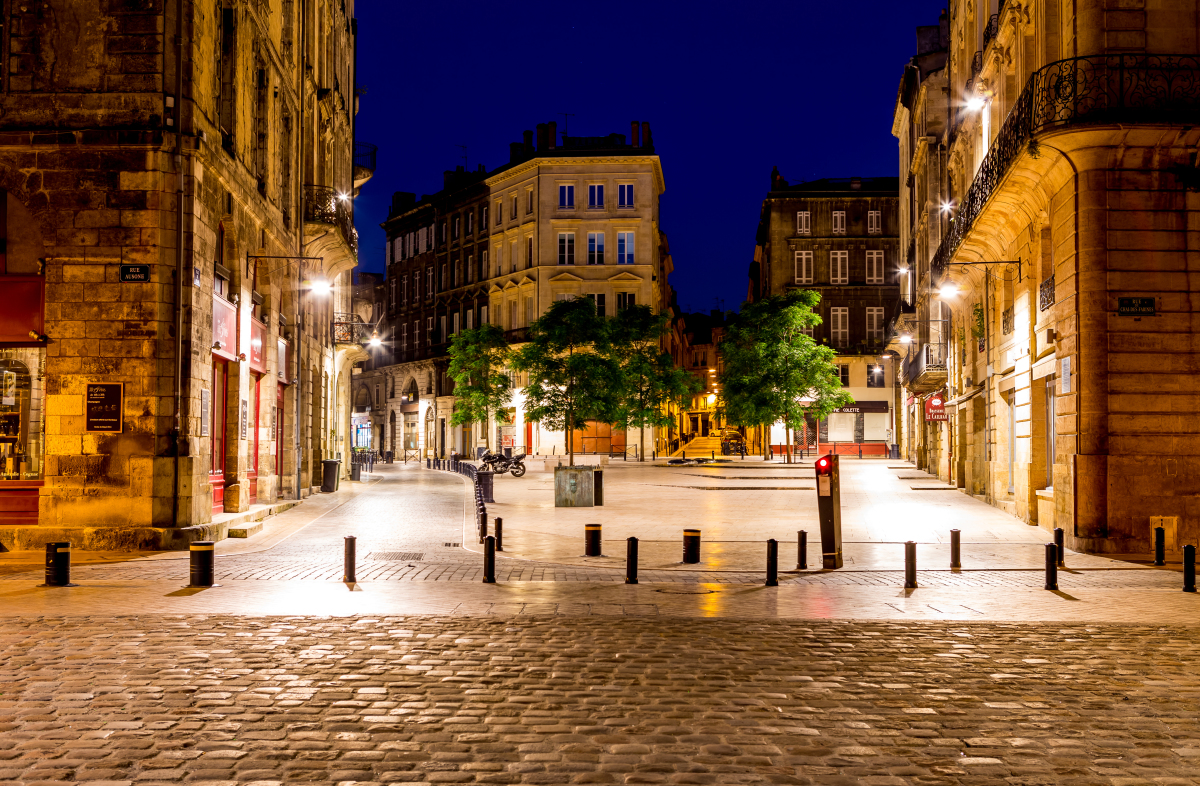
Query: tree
[(773, 370), (572, 376), (481, 382), (650, 379)]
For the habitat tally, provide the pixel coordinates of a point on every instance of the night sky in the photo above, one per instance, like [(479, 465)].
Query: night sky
[(729, 90)]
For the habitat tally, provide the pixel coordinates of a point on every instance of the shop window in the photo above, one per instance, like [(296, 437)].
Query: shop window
[(22, 392)]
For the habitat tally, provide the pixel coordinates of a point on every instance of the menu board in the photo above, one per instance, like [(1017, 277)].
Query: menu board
[(102, 407)]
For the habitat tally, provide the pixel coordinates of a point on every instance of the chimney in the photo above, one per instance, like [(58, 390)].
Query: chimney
[(514, 151), (855, 183), (635, 134), (447, 178), (541, 136), (646, 141), (552, 132), (528, 140)]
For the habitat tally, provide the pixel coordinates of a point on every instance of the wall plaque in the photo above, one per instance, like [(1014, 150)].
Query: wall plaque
[(205, 412), (1066, 375), (1136, 307), (135, 274), (102, 407), (245, 416)]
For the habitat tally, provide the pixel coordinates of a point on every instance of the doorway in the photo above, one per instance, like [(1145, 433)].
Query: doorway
[(217, 417), (256, 409)]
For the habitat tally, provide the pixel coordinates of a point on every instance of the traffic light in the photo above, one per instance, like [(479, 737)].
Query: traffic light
[(829, 511)]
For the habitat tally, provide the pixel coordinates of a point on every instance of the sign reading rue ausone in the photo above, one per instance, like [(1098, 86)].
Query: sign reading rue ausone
[(1136, 307), (135, 274), (102, 407)]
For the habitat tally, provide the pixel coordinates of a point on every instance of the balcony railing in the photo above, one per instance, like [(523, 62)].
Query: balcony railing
[(350, 329), (324, 205), (364, 156), (1129, 88), (929, 359), (1046, 293), (993, 27)]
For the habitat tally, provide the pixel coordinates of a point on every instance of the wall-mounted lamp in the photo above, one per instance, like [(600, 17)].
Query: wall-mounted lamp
[(216, 345)]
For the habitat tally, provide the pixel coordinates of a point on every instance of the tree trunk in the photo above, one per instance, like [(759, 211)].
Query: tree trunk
[(570, 441), (642, 449), (787, 430)]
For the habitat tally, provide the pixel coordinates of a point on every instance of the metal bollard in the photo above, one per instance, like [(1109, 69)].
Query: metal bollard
[(482, 525), (1189, 568), (910, 565), (772, 563), (499, 534), (1051, 566), (714, 455), (801, 550), (1059, 537), (631, 560), (955, 549), (428, 464), (202, 568), (349, 570), (591, 540), (489, 560), (691, 546), (58, 565), (1160, 546)]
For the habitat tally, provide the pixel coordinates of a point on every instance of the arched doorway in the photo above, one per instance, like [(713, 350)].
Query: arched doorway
[(430, 433)]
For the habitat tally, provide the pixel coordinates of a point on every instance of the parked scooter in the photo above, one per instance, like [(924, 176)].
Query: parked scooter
[(499, 463)]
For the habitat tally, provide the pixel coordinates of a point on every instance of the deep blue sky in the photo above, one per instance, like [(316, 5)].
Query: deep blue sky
[(729, 90)]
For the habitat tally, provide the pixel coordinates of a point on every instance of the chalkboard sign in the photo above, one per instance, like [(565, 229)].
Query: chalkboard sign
[(102, 407), (135, 273)]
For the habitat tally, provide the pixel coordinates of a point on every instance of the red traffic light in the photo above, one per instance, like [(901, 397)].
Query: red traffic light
[(823, 463)]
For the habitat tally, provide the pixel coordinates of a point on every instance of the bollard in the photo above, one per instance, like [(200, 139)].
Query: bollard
[(482, 525), (202, 564), (348, 569), (801, 550), (1058, 545), (910, 565), (683, 453), (58, 565), (772, 563), (1051, 566), (955, 549), (499, 534), (489, 560), (1160, 546), (691, 546), (631, 560), (1189, 568), (591, 540), (714, 455), (487, 481)]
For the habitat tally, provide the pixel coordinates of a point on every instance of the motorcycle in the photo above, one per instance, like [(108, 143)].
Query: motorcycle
[(499, 463)]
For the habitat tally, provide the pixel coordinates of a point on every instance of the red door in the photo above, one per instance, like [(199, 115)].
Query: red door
[(252, 473), (529, 437), (278, 438), (216, 472)]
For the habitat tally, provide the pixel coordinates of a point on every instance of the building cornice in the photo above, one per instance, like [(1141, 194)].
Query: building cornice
[(533, 164)]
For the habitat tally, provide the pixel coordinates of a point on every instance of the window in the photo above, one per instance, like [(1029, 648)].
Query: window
[(802, 223), (483, 217), (624, 248), (442, 328), (441, 278), (598, 302), (483, 315), (416, 333), (843, 373), (561, 296), (528, 252), (528, 310), (513, 214), (428, 282), (874, 222), (470, 272), (625, 300), (512, 315), (625, 195), (566, 248), (512, 256), (471, 222), (874, 267), (804, 267), (454, 324), (457, 226), (839, 222), (595, 196), (499, 212), (529, 202), (875, 377), (839, 321), (875, 323), (394, 298), (470, 319), (566, 196), (839, 267), (404, 337), (227, 63), (483, 264), (499, 260), (595, 248), (429, 330)]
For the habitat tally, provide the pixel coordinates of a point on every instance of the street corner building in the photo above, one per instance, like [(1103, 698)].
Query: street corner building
[(566, 217), (178, 244), (1049, 205)]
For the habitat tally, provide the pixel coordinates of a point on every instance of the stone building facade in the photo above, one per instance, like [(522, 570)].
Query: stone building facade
[(1064, 265), (178, 180)]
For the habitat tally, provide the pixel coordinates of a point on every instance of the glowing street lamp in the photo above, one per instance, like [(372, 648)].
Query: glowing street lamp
[(948, 290), (320, 287), (375, 342)]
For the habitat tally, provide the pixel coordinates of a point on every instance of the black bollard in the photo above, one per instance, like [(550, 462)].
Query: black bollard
[(499, 534), (202, 567), (631, 560), (910, 565), (955, 549), (489, 560), (482, 525), (348, 569), (1160, 546), (772, 563), (1051, 566), (591, 540), (801, 550), (691, 546), (487, 481), (58, 565), (1059, 537), (1189, 568), (428, 464)]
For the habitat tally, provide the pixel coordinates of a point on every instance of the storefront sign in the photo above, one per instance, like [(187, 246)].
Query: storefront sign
[(258, 333), (865, 406), (1136, 307), (935, 408), (284, 361), (135, 274), (102, 407), (224, 328)]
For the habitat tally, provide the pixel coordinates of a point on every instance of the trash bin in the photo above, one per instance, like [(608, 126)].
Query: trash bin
[(356, 471), (330, 471)]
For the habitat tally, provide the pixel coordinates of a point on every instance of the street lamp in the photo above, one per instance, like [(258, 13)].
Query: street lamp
[(320, 287), (906, 338), (948, 290), (975, 103), (375, 339)]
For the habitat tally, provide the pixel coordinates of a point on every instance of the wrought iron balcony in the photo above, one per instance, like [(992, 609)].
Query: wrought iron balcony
[(350, 329), (1046, 293), (924, 370), (993, 27), (1125, 89), (364, 162), (324, 205)]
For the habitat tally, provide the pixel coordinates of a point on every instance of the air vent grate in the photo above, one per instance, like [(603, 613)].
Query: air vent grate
[(397, 556)]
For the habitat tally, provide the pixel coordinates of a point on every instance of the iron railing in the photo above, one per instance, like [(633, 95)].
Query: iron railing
[(1046, 293), (324, 205), (993, 27), (1126, 88), (350, 329), (930, 357), (1006, 321), (364, 156)]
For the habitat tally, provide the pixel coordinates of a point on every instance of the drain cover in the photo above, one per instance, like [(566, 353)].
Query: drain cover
[(398, 556), (451, 545), (697, 591)]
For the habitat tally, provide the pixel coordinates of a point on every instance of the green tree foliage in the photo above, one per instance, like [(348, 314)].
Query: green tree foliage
[(481, 382), (573, 377), (650, 379), (773, 371)]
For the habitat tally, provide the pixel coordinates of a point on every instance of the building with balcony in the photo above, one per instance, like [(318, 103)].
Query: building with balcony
[(177, 240), (839, 237), (565, 217), (1070, 192)]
